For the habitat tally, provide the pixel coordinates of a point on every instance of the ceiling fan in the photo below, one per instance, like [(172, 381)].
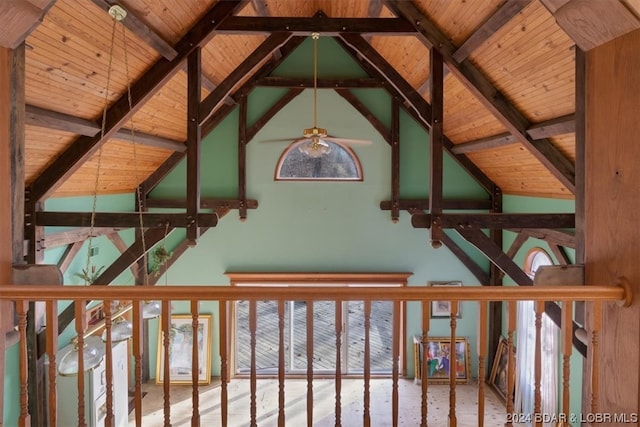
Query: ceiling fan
[(317, 139)]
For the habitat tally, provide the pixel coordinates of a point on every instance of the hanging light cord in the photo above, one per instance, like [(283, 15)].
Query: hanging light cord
[(99, 159), (145, 280), (315, 37)]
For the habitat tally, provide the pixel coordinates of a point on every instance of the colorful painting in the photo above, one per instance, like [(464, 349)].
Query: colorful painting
[(442, 357)]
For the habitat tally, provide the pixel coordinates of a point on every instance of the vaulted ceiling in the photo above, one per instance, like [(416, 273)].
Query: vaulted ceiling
[(509, 80)]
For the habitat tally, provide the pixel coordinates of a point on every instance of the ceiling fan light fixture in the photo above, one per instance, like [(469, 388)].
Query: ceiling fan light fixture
[(315, 148), (315, 132)]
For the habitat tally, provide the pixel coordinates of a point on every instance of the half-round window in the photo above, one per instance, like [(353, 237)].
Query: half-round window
[(536, 257), (325, 160)]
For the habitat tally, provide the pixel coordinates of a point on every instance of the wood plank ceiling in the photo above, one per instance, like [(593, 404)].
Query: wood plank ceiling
[(516, 48)]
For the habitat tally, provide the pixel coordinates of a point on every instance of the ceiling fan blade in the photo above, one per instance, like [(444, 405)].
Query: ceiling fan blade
[(281, 139), (348, 141)]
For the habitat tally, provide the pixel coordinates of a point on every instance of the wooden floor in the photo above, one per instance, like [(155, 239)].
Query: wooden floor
[(324, 404)]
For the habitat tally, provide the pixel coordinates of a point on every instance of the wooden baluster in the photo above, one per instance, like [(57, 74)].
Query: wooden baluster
[(252, 380), (80, 328), (224, 397), (136, 307), (52, 348), (426, 314), (195, 366), (338, 379), (595, 335), (511, 365), (108, 358), (309, 363), (367, 364), (537, 395), (482, 347), (281, 364), (166, 368), (567, 346), (453, 363), (395, 364), (22, 307)]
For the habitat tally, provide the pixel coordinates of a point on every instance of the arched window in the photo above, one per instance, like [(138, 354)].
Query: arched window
[(536, 257), (327, 161)]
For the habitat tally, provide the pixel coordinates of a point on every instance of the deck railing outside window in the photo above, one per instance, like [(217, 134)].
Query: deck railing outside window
[(225, 295)]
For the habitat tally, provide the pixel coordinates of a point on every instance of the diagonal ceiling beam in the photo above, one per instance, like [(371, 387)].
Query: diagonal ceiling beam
[(37, 116), (374, 64), (141, 91), (213, 100), (504, 14), (366, 113), (142, 30), (490, 97)]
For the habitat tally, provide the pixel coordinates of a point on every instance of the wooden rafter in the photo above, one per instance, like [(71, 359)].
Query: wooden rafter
[(136, 25), (37, 116), (436, 154), (395, 160), (212, 101), (503, 15), (242, 158), (76, 235), (122, 247), (499, 221), (468, 262), (205, 203), (194, 138), (120, 219), (375, 65), (319, 23), (490, 97), (366, 113), (271, 112), (419, 205), (324, 83), (141, 91), (68, 255), (557, 237)]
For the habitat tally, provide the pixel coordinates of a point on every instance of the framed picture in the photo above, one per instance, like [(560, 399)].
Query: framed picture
[(181, 350), (442, 357), (443, 308), (499, 373)]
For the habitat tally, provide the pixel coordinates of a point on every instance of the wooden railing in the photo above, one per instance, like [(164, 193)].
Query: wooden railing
[(566, 295)]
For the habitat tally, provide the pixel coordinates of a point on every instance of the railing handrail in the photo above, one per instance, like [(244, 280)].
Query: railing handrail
[(308, 292)]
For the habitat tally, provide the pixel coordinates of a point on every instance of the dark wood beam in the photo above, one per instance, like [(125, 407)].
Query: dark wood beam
[(133, 253), (452, 204), (326, 83), (207, 127), (395, 160), (176, 254), (69, 254), (501, 260), (517, 243), (484, 143), (546, 129), (242, 158), (271, 112), (553, 127), (122, 247), (194, 138), (504, 14), (121, 219), (373, 65), (488, 95), (321, 24), (141, 91), (213, 100), (366, 113), (558, 237), (468, 262), (436, 152), (205, 203), (580, 154), (20, 18), (76, 235), (147, 34), (37, 116), (477, 221), (561, 255)]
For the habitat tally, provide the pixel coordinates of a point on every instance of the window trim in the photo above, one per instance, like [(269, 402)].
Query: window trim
[(296, 144)]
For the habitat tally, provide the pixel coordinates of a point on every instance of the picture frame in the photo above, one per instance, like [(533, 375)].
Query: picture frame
[(181, 350), (438, 352), (499, 370), (442, 308)]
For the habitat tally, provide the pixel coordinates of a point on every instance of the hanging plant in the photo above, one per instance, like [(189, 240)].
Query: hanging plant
[(160, 256), (89, 275)]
